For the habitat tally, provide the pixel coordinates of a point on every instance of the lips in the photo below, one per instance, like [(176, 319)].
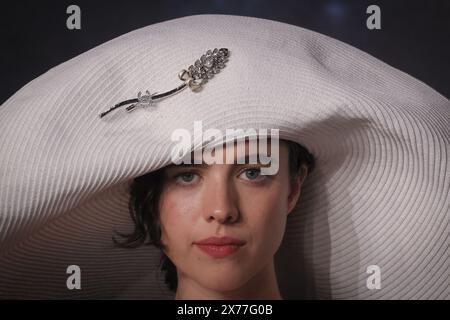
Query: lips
[(220, 247)]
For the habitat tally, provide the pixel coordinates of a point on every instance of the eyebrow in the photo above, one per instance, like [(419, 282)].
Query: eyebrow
[(246, 159)]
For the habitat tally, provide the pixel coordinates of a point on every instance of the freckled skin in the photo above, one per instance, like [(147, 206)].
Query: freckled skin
[(196, 208)]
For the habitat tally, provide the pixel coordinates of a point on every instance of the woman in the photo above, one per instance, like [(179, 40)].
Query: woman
[(377, 200), (219, 225)]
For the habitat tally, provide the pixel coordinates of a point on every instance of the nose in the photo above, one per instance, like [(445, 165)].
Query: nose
[(220, 203)]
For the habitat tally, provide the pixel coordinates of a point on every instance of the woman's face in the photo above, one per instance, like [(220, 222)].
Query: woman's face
[(225, 200)]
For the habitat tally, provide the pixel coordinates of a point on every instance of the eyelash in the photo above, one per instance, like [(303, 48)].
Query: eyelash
[(179, 175), (251, 169), (255, 181)]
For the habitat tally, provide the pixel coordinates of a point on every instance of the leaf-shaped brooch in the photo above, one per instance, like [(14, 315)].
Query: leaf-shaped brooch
[(194, 77)]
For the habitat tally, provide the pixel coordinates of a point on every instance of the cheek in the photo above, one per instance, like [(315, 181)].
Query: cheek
[(266, 212), (177, 215), (267, 200)]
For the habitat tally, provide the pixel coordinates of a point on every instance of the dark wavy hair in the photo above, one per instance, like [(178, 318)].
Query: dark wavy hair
[(145, 192)]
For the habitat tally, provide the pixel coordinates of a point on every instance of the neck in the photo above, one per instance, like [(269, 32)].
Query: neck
[(262, 286)]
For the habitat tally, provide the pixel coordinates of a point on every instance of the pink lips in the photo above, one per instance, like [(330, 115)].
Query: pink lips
[(220, 247)]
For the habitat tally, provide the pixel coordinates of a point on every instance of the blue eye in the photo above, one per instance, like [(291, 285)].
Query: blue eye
[(252, 174), (186, 178)]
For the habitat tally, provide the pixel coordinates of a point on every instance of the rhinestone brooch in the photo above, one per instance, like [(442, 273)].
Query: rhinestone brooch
[(194, 77)]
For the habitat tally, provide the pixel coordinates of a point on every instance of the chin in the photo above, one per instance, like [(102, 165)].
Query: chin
[(223, 281)]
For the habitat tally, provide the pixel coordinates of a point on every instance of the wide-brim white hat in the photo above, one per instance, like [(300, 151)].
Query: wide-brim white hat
[(379, 194)]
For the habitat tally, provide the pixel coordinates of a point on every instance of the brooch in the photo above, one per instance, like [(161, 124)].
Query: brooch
[(194, 77)]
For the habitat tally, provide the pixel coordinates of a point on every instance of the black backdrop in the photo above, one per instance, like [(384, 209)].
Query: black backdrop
[(414, 35)]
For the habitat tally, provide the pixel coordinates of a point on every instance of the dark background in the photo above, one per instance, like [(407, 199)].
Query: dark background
[(414, 35)]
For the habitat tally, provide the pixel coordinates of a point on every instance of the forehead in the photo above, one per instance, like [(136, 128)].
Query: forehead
[(239, 152)]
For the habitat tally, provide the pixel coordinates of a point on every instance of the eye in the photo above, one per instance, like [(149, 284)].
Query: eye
[(252, 174), (186, 178)]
